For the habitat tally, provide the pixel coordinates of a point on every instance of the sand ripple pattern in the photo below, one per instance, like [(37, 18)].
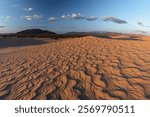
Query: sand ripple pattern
[(78, 68)]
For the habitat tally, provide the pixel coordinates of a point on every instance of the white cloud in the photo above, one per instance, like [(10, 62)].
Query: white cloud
[(28, 9), (64, 17), (8, 18), (73, 16), (32, 17), (29, 18), (92, 18), (52, 19), (113, 19), (37, 17), (77, 16)]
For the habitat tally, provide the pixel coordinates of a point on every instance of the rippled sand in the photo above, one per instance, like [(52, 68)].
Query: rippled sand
[(77, 68)]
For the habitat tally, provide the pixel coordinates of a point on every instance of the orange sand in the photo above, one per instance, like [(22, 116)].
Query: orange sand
[(78, 68)]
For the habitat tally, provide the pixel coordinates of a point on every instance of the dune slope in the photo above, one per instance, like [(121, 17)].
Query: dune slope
[(78, 68)]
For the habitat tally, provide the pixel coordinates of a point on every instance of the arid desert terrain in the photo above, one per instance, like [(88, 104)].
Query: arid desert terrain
[(76, 68)]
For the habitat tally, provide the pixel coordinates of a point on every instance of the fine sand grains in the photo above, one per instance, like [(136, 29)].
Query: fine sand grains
[(77, 68)]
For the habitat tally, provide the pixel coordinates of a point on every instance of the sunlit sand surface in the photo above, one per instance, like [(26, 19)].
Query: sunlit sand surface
[(77, 68)]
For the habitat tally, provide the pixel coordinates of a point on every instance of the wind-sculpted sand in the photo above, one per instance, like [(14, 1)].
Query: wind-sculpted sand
[(77, 68)]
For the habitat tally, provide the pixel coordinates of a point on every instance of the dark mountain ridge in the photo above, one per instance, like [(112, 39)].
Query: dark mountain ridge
[(36, 31)]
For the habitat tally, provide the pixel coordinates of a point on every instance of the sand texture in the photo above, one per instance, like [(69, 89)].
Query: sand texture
[(77, 68)]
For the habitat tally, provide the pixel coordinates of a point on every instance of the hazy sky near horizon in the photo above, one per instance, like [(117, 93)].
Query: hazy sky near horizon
[(127, 16)]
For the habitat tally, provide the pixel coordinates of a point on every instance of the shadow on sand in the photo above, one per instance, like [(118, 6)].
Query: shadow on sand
[(128, 39), (122, 39), (17, 42)]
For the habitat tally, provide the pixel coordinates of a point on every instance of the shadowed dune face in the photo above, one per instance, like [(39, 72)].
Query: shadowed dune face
[(15, 42), (79, 68), (127, 37)]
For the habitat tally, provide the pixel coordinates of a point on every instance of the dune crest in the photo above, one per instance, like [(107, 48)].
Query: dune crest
[(78, 68)]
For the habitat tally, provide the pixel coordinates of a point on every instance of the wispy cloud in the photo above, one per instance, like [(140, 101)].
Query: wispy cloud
[(52, 19), (65, 16), (77, 16), (140, 31), (29, 18), (91, 18), (140, 24), (2, 26), (15, 6), (30, 27), (8, 18), (32, 17), (113, 19), (28, 9), (37, 17)]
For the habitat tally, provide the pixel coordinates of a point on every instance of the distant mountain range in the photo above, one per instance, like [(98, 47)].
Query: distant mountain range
[(38, 33)]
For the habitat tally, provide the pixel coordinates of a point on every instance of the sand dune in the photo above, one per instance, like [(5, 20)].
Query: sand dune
[(78, 68)]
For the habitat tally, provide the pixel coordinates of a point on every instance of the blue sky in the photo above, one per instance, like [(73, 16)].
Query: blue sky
[(127, 16)]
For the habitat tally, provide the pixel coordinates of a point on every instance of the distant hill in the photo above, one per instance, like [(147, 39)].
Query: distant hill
[(26, 38), (36, 32)]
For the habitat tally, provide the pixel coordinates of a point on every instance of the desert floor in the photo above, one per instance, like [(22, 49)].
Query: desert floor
[(77, 68)]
